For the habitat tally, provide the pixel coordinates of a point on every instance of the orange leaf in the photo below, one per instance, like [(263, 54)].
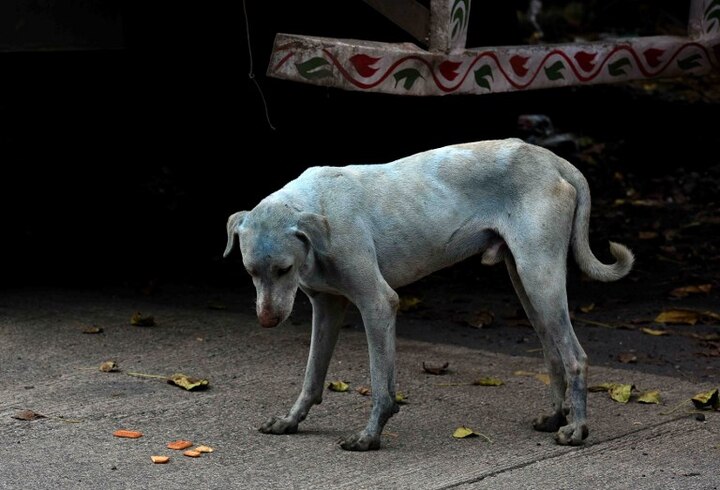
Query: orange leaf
[(192, 454), (129, 434), (687, 317), (159, 459), (180, 444), (688, 290)]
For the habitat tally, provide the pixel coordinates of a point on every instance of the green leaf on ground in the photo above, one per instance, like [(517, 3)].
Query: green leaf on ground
[(188, 382), (621, 393), (650, 397), (463, 432), (339, 386), (707, 399)]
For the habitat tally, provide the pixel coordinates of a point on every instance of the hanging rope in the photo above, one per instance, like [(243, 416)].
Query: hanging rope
[(251, 74)]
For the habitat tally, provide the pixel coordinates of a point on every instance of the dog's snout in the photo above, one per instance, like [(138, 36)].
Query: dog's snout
[(268, 319)]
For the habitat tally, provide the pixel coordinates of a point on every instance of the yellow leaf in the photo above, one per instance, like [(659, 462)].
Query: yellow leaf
[(187, 382), (687, 317), (654, 332), (400, 399), (109, 367), (688, 290), (587, 308), (707, 400), (463, 432), (408, 303), (621, 393), (92, 330), (649, 397), (601, 387), (140, 320), (487, 381), (339, 386), (542, 377), (204, 449)]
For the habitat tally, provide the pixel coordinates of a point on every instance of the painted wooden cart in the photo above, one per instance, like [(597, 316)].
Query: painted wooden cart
[(448, 67)]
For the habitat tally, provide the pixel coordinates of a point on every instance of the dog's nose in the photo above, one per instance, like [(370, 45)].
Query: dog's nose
[(268, 319)]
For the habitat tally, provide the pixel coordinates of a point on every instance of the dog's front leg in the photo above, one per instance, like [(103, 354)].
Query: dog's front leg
[(378, 315), (328, 314)]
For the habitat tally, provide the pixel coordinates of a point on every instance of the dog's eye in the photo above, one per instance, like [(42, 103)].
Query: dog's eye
[(284, 270)]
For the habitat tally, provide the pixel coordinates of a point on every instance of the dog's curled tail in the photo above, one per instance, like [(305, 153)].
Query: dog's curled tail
[(585, 258)]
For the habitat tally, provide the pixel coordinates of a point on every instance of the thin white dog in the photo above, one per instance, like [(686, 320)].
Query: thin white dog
[(355, 233)]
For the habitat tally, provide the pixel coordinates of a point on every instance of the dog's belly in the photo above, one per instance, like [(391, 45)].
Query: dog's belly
[(402, 266)]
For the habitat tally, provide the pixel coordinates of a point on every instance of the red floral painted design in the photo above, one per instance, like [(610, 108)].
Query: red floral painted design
[(652, 56), (585, 60), (363, 64), (517, 63), (448, 69)]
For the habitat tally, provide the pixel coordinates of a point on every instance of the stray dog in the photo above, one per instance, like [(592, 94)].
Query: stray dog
[(355, 233)]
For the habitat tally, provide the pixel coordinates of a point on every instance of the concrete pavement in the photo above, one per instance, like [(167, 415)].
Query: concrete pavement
[(49, 366)]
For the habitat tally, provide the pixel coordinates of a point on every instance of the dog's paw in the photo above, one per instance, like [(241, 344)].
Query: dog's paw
[(279, 425), (572, 434), (550, 423), (360, 442)]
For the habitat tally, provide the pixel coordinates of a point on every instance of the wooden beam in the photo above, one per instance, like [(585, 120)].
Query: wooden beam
[(405, 69), (409, 15)]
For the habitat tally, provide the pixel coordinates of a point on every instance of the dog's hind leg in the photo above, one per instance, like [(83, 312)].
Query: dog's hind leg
[(553, 361), (378, 307), (542, 274), (328, 314)]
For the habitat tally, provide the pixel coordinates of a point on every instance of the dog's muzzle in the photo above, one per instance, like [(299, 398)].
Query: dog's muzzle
[(268, 319)]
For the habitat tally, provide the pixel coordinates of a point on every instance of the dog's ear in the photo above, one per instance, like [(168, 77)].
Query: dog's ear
[(233, 223), (315, 229)]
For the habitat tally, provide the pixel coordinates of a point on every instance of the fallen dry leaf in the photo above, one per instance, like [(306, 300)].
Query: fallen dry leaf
[(28, 415), (400, 398), (707, 399), (488, 381), (140, 320), (542, 377), (179, 445), (339, 386), (647, 235), (587, 308), (654, 332), (159, 459), (188, 382), (109, 367), (688, 290), (192, 454), (621, 392), (600, 387), (686, 317), (463, 432), (93, 329), (649, 397), (408, 303), (627, 358), (480, 318), (438, 370), (364, 390), (128, 434), (204, 449)]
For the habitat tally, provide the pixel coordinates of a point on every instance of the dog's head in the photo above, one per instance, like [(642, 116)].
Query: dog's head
[(276, 242)]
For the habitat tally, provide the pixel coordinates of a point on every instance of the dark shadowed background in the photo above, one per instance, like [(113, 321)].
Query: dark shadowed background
[(130, 131)]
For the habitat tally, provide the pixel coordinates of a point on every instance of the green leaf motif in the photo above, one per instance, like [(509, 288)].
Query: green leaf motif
[(690, 62), (711, 5), (409, 75), (616, 68), (314, 68), (713, 16), (553, 72), (481, 75)]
